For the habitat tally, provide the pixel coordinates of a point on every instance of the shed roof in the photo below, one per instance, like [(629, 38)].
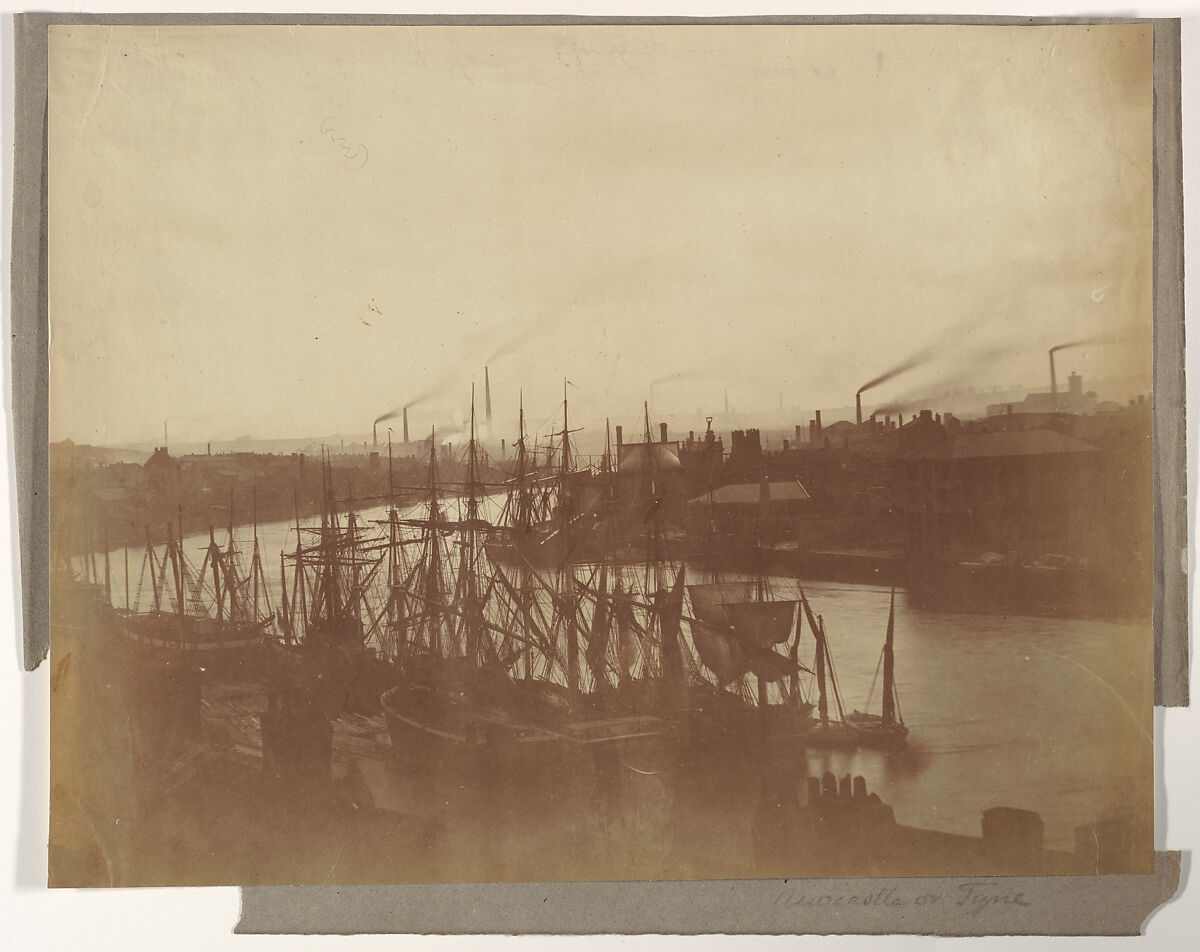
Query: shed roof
[(1017, 443), (744, 494)]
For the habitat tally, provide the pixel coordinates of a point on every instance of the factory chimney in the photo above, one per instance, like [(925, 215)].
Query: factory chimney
[(487, 398), (1053, 381), (662, 432), (858, 407), (406, 426), (374, 434), (620, 434)]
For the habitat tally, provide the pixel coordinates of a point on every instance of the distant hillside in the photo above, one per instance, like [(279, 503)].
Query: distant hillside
[(83, 454)]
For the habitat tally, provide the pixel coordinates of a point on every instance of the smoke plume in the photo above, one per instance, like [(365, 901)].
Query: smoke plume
[(419, 398), (514, 343), (910, 363), (1084, 343)]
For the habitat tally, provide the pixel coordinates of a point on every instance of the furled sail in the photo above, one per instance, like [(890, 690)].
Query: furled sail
[(629, 646), (668, 605), (597, 646)]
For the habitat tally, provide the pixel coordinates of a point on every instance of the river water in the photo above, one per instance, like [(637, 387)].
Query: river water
[(1045, 714)]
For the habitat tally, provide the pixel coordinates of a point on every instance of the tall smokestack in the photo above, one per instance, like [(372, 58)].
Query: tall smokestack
[(487, 397), (620, 435), (662, 432), (374, 434), (858, 407), (817, 420), (1053, 381), (406, 426)]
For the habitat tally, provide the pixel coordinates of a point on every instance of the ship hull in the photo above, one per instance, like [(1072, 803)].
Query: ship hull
[(226, 649), (861, 731), (436, 734)]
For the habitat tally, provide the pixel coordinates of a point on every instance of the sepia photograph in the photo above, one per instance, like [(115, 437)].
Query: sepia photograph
[(581, 452)]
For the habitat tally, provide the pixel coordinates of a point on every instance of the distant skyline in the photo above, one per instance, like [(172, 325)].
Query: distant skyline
[(280, 232)]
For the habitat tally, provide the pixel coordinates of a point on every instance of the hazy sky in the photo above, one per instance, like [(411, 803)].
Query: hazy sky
[(284, 231)]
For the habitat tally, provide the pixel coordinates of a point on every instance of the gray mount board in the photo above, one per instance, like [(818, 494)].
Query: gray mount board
[(1101, 905), (1011, 905)]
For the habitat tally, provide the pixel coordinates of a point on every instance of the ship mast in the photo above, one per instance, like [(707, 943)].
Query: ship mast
[(299, 598), (822, 700), (472, 610), (393, 587), (889, 676), (256, 570), (175, 552), (567, 584), (214, 554), (229, 563), (431, 588), (156, 578), (522, 520), (285, 612), (668, 603)]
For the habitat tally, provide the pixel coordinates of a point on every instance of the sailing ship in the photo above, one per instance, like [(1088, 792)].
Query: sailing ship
[(737, 626), (75, 589), (886, 729), (517, 653), (857, 729), (553, 512), (219, 625), (736, 629), (324, 660), (498, 666)]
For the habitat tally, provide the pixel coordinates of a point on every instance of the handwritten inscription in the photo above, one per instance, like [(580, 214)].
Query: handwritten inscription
[(969, 898), (978, 896), (353, 152)]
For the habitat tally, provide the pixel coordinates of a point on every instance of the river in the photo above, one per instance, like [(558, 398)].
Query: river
[(1045, 714)]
